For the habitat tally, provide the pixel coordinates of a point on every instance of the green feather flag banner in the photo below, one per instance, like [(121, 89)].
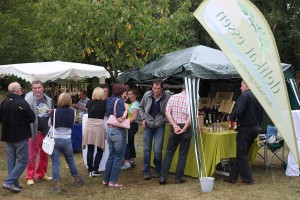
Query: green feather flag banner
[(243, 34)]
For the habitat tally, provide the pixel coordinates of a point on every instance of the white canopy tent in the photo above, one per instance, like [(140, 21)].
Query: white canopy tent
[(50, 71)]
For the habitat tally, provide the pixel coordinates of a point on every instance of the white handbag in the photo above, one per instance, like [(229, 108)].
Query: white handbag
[(48, 141)]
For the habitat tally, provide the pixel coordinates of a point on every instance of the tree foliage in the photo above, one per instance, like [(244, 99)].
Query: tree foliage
[(283, 17), (121, 34), (117, 34), (17, 41)]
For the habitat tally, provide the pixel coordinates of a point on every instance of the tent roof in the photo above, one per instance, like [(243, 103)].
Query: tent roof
[(46, 71), (133, 75), (199, 61)]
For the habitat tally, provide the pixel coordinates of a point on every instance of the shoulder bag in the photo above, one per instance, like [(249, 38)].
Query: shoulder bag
[(112, 120), (48, 141)]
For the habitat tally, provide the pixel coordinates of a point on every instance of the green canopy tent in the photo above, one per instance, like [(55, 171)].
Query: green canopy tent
[(133, 76), (201, 62)]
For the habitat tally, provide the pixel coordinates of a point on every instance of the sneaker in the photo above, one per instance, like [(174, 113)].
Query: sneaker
[(132, 163), (125, 166), (228, 180), (19, 186), (179, 181), (156, 174), (30, 182), (96, 173), (47, 178), (248, 182), (146, 177), (80, 182), (90, 174), (11, 188), (56, 189), (162, 180)]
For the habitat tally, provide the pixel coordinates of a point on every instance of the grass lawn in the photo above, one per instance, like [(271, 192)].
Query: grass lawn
[(268, 185)]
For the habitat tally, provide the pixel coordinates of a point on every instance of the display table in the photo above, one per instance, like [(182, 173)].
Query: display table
[(216, 146), (76, 137)]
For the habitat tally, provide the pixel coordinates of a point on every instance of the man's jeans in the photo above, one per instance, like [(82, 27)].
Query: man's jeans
[(158, 135), (35, 147), (175, 140), (65, 147), (116, 139), (16, 151)]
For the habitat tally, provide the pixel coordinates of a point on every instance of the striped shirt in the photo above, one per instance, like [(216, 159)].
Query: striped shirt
[(178, 108)]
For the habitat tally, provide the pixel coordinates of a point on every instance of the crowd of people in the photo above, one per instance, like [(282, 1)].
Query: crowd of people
[(25, 123)]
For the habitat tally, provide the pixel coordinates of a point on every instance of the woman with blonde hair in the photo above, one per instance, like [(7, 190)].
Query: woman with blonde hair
[(64, 120), (94, 131)]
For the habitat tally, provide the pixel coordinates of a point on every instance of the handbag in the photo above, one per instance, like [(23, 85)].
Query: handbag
[(48, 141), (112, 120)]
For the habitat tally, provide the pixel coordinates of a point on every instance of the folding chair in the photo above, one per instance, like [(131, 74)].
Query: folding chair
[(272, 142)]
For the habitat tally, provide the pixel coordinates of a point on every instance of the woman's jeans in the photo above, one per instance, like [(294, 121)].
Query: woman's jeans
[(65, 147), (116, 139), (130, 150), (93, 164)]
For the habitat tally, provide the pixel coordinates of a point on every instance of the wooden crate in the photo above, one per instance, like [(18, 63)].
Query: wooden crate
[(226, 106), (222, 96), (205, 102)]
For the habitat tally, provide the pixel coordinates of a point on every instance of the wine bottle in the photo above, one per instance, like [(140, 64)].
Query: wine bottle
[(235, 125), (209, 116), (229, 126)]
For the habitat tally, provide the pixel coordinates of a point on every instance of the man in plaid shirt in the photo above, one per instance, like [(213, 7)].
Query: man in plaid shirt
[(178, 116)]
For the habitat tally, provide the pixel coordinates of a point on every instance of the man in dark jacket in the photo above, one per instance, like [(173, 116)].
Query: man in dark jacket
[(15, 117), (248, 113)]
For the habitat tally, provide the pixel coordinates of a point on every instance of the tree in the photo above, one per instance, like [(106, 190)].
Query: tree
[(283, 17), (17, 38), (120, 34), (117, 34)]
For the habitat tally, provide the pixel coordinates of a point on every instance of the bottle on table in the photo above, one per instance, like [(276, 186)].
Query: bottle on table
[(209, 113), (235, 126), (217, 126), (229, 126)]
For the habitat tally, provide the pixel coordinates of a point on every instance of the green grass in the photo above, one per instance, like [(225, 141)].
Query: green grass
[(268, 185)]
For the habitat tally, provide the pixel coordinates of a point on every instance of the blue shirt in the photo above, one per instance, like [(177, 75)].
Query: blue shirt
[(155, 107), (120, 108)]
